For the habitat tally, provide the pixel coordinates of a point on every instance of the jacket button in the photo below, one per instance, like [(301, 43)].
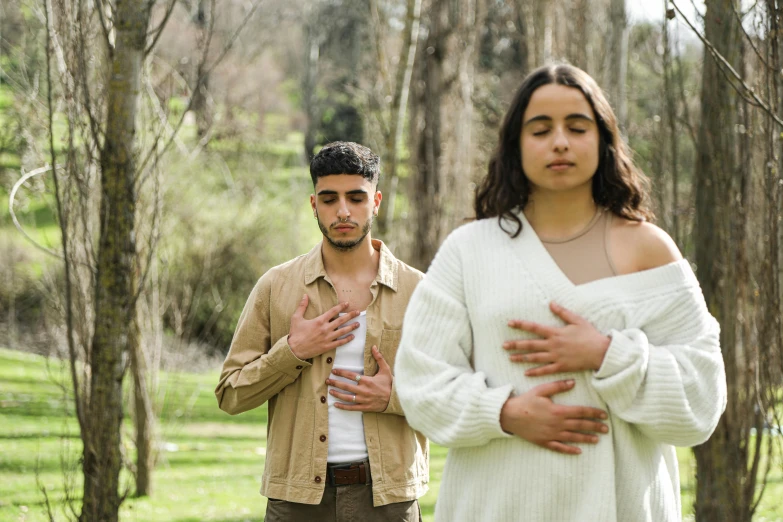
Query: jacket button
[(323, 399), (328, 360), (299, 367), (322, 437), (318, 479)]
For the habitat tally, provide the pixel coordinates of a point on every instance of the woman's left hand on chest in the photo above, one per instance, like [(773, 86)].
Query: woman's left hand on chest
[(576, 346)]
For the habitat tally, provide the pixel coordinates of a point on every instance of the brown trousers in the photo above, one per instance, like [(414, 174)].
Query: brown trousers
[(343, 504)]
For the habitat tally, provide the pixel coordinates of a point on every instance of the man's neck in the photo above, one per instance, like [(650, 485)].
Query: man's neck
[(556, 215), (363, 259)]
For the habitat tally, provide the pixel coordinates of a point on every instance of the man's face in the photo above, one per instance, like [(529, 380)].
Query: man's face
[(345, 205)]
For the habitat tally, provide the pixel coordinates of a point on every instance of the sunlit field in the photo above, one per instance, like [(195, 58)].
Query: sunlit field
[(210, 463)]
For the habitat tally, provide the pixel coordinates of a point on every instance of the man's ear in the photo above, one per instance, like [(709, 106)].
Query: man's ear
[(377, 201), (312, 204)]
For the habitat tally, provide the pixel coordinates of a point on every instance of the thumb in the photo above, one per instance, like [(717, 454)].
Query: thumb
[(383, 366), (553, 388), (300, 310)]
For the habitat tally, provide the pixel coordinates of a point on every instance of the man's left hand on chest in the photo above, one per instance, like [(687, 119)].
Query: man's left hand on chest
[(369, 393)]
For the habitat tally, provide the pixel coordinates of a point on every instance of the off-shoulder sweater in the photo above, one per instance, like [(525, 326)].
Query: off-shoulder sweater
[(662, 382)]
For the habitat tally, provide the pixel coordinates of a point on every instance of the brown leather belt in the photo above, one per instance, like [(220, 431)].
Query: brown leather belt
[(347, 474)]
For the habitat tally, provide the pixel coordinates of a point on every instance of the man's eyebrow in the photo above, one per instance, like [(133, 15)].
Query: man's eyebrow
[(327, 192), (544, 117)]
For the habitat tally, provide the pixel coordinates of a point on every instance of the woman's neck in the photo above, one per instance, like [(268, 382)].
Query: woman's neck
[(556, 215)]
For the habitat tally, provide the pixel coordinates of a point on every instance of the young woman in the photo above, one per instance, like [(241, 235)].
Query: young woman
[(560, 346)]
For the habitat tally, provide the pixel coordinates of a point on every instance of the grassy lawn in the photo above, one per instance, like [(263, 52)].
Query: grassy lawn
[(210, 466)]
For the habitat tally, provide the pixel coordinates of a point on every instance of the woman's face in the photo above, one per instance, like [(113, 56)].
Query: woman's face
[(559, 141)]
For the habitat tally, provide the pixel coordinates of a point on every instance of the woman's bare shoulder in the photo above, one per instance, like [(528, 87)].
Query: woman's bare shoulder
[(640, 245)]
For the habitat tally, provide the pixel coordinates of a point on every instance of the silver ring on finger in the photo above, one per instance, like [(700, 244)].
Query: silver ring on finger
[(353, 398), (357, 378)]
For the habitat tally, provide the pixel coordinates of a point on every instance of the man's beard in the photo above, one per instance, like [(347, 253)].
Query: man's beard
[(345, 246)]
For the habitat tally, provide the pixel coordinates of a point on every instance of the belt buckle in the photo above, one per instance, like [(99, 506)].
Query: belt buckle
[(330, 478), (330, 469)]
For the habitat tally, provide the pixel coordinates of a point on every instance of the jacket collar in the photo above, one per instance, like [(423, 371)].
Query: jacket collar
[(387, 268)]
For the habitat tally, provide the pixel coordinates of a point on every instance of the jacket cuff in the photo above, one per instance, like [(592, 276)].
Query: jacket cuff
[(282, 358)]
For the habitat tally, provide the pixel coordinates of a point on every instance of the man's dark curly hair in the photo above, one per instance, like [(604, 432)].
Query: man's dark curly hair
[(345, 157), (618, 184)]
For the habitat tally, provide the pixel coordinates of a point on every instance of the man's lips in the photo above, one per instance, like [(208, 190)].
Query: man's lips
[(343, 227)]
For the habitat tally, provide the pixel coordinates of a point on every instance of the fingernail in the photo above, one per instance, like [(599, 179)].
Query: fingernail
[(604, 429), (570, 382), (602, 416)]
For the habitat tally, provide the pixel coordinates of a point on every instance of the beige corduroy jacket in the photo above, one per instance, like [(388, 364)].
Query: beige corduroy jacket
[(260, 367)]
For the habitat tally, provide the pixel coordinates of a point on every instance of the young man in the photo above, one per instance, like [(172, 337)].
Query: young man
[(317, 340)]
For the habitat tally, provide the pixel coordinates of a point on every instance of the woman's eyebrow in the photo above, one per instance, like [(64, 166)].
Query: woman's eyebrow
[(544, 117)]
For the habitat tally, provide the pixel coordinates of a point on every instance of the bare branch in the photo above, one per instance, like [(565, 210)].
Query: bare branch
[(63, 225), (231, 41), (159, 30), (747, 92), (206, 72), (105, 26), (95, 128), (753, 46)]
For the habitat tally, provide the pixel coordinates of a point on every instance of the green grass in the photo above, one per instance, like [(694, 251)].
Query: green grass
[(210, 469)]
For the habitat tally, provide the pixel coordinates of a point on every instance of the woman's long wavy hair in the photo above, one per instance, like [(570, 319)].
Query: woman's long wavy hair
[(618, 184)]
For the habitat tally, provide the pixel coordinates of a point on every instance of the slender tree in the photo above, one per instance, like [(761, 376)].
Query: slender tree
[(617, 55), (722, 471), (116, 281)]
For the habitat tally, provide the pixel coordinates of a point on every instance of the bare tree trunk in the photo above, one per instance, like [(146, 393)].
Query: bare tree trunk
[(144, 416), (399, 109), (618, 61), (522, 34), (427, 194), (116, 288), (312, 51), (670, 101), (722, 460), (577, 37), (442, 122), (541, 36), (200, 105)]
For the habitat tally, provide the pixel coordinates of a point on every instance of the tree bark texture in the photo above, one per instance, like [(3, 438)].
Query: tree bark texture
[(114, 300), (144, 416), (200, 104), (310, 75), (722, 460), (399, 107), (618, 61), (441, 123), (427, 138)]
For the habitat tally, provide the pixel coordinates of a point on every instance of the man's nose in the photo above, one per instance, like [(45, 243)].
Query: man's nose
[(342, 210)]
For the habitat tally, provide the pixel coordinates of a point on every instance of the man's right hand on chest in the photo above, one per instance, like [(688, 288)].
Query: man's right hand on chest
[(311, 337)]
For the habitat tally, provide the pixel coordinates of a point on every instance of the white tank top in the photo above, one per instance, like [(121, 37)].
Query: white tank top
[(346, 428)]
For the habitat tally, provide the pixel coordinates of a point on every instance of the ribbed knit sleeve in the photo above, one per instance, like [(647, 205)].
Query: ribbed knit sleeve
[(667, 377), (441, 394)]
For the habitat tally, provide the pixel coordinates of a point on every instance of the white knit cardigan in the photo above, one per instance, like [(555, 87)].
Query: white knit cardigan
[(662, 382)]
